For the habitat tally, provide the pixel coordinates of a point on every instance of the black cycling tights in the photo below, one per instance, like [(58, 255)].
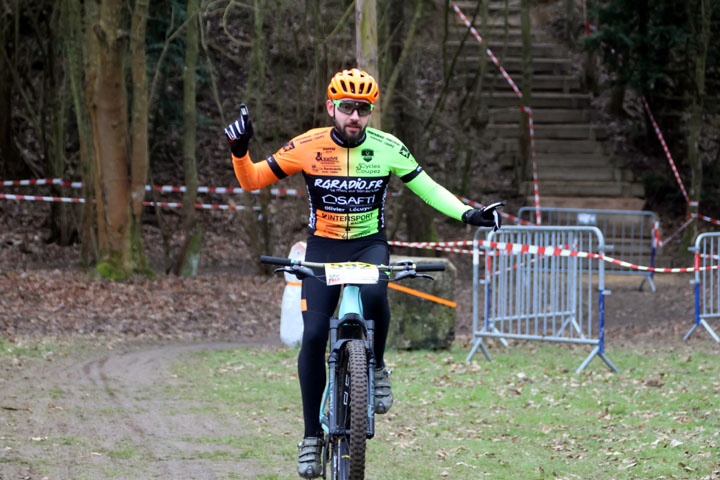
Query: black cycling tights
[(321, 302)]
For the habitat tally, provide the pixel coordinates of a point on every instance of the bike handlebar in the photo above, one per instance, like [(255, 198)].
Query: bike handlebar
[(287, 262), (429, 267), (276, 260)]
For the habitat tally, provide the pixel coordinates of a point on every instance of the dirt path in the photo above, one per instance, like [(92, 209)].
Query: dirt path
[(109, 414)]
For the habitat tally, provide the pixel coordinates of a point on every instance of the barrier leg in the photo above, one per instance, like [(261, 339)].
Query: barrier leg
[(707, 327), (596, 352), (710, 331), (599, 350), (697, 311), (479, 344), (649, 279)]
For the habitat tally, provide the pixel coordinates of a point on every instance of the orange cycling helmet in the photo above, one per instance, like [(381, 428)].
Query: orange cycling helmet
[(355, 84)]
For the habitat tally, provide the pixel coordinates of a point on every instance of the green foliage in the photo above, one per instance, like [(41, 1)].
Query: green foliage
[(650, 45)]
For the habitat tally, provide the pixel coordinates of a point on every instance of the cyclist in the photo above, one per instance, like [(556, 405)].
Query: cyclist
[(347, 169)]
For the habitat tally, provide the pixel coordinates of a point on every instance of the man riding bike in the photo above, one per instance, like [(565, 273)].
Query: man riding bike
[(347, 170)]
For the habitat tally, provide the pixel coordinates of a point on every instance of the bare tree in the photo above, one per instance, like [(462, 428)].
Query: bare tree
[(118, 227), (188, 258), (366, 44), (699, 15)]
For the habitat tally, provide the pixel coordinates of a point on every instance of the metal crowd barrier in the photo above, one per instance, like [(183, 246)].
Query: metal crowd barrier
[(541, 297), (630, 234), (707, 282)]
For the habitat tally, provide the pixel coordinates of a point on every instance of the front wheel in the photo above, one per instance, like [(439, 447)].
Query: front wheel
[(348, 450)]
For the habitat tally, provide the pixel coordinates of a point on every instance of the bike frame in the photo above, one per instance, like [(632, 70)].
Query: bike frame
[(349, 326)]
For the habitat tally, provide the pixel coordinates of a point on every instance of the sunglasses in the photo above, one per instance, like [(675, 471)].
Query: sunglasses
[(348, 107)]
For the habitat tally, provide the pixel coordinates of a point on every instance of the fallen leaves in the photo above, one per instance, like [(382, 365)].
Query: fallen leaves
[(61, 302)]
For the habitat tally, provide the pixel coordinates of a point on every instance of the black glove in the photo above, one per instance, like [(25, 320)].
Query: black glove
[(486, 217), (240, 132)]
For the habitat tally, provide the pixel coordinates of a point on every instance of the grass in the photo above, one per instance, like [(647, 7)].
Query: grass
[(526, 415), (27, 349)]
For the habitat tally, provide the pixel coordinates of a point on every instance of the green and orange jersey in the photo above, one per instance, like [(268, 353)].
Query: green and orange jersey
[(347, 186)]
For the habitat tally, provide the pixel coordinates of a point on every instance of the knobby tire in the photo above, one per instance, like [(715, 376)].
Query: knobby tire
[(353, 381), (358, 408)]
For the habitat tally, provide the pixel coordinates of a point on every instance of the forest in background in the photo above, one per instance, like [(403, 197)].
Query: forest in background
[(119, 94)]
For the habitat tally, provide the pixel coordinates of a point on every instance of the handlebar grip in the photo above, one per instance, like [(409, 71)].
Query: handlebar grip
[(430, 267), (276, 260)]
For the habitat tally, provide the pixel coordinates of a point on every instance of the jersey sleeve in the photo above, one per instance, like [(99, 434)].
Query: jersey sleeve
[(252, 176), (436, 195), (417, 180)]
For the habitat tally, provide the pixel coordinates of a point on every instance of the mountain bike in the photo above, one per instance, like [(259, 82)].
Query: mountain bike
[(347, 414)]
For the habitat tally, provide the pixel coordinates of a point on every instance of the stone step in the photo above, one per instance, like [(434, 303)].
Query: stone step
[(514, 48), (589, 202), (494, 34), (581, 188), (589, 160), (565, 147), (540, 83), (578, 131), (496, 6), (603, 173), (545, 115), (566, 161), (513, 65), (539, 100)]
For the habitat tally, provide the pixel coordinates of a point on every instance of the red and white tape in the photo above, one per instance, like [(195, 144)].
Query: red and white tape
[(526, 109), (441, 246), (517, 248), (202, 206), (159, 188), (659, 134), (505, 248), (41, 181), (703, 217)]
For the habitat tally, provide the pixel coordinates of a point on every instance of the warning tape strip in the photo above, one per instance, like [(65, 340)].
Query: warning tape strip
[(418, 293), (201, 206), (666, 150), (159, 188), (703, 217), (441, 246), (525, 109), (516, 248)]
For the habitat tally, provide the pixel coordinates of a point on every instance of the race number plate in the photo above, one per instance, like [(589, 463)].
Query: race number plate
[(350, 273)]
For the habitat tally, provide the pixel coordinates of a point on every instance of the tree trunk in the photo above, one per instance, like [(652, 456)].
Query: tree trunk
[(187, 260), (570, 21), (404, 118), (701, 32), (110, 132), (139, 158), (11, 164), (74, 60), (524, 167), (366, 45)]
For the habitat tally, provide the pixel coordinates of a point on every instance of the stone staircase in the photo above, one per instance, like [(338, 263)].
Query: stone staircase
[(575, 168)]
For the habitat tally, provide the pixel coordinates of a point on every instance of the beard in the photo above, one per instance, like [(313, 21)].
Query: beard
[(349, 138)]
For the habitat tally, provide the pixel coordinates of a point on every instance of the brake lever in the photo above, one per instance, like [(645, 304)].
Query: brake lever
[(299, 271), (412, 274)]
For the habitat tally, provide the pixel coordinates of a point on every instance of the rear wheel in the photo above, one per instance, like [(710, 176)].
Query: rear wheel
[(348, 460)]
